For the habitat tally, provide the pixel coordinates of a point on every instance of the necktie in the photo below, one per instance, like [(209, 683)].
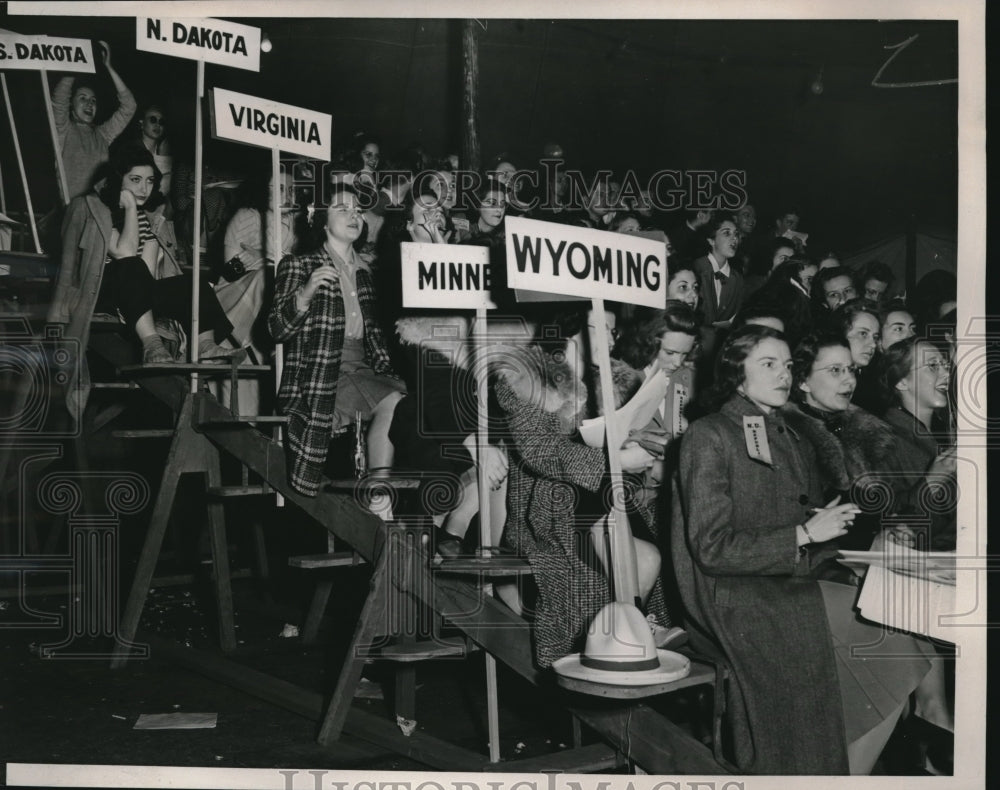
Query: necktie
[(721, 277)]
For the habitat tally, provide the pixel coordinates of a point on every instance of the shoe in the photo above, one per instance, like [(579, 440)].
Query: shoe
[(155, 353), (666, 638), (447, 546), (209, 351)]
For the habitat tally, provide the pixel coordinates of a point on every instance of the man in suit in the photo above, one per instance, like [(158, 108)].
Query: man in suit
[(721, 285)]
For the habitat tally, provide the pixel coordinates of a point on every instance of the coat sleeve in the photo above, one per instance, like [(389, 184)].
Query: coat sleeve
[(546, 451), (69, 275), (285, 319), (116, 124), (707, 501), (60, 107)]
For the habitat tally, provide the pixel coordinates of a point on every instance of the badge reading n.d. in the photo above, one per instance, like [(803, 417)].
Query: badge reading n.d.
[(756, 437)]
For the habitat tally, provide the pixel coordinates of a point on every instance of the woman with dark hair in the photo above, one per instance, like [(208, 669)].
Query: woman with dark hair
[(682, 283), (557, 503), (336, 363), (118, 246), (875, 280), (896, 323), (858, 320), (831, 287), (748, 514)]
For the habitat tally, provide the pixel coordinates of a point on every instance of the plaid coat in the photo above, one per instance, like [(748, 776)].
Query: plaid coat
[(313, 342), (554, 494)]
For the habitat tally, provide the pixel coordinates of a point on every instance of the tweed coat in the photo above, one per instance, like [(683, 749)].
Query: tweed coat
[(748, 593), (86, 234), (313, 342), (546, 521)]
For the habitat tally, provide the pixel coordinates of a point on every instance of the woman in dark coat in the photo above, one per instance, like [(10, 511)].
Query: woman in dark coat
[(747, 514)]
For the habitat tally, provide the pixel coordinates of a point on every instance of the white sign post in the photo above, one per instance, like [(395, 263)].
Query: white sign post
[(457, 277), (595, 265), (280, 127), (42, 53), (204, 40)]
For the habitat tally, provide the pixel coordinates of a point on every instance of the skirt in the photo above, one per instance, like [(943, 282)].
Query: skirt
[(878, 668), (359, 388)]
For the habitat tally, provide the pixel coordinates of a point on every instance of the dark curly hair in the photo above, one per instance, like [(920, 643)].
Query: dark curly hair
[(729, 370), (639, 339), (128, 157), (805, 356)]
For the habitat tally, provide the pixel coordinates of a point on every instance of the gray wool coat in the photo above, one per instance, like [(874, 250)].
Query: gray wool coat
[(748, 594)]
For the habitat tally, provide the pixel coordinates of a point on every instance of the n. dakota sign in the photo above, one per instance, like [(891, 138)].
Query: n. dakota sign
[(210, 40), (587, 263), (270, 124)]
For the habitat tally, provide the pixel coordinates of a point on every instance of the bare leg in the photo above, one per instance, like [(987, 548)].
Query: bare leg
[(144, 326), (647, 557), (380, 449), (457, 521)]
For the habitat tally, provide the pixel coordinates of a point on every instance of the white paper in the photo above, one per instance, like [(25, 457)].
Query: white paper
[(176, 721), (633, 415)]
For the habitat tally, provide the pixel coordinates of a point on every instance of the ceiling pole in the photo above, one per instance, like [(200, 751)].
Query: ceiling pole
[(470, 95)]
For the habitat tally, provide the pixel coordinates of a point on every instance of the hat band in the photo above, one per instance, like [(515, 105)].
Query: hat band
[(620, 666)]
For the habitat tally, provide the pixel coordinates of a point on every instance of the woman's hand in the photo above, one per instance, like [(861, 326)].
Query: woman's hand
[(944, 465), (635, 458), (654, 442), (901, 535), (322, 275), (495, 465), (127, 201), (830, 522), (105, 53)]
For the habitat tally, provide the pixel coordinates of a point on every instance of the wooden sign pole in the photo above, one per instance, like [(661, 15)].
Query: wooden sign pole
[(60, 167), (622, 559), (196, 246), (279, 357), (20, 163)]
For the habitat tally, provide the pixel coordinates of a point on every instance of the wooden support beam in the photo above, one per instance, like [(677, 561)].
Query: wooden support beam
[(470, 95)]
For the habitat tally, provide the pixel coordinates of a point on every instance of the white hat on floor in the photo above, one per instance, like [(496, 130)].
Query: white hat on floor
[(620, 651)]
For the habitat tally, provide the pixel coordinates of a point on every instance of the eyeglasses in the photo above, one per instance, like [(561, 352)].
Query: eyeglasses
[(846, 294), (839, 371), (937, 366), (158, 119)]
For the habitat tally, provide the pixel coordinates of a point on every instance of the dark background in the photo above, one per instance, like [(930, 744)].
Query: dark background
[(858, 162)]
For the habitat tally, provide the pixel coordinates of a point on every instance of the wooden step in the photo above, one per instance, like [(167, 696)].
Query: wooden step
[(243, 419), (248, 490), (114, 385), (144, 433), (582, 760), (422, 650), (207, 368), (337, 559), (490, 567)]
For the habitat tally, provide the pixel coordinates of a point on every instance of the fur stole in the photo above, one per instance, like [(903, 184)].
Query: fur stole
[(864, 445)]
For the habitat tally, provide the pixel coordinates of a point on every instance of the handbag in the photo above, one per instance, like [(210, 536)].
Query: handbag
[(233, 269)]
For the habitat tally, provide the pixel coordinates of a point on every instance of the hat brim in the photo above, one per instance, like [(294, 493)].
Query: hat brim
[(673, 666)]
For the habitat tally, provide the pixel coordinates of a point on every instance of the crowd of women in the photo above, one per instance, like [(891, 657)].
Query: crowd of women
[(736, 530)]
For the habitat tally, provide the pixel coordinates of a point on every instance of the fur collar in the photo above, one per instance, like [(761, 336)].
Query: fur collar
[(864, 444)]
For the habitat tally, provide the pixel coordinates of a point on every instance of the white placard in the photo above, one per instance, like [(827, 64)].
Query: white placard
[(448, 276), (45, 53), (591, 264), (270, 124), (210, 40)]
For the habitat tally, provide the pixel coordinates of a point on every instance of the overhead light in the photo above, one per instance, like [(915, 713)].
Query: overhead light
[(817, 84), (265, 43)]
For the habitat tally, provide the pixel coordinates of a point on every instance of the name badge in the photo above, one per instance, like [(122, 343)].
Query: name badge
[(756, 438)]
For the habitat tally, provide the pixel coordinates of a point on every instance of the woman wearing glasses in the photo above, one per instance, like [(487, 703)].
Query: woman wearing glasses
[(153, 135), (336, 362)]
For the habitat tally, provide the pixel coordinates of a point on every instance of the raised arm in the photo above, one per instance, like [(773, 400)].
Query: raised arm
[(295, 286), (116, 124), (61, 98)]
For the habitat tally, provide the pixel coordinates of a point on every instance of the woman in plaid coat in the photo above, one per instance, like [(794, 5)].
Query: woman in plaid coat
[(336, 362)]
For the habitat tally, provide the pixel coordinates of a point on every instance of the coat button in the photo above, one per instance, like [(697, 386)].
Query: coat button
[(781, 429), (803, 499)]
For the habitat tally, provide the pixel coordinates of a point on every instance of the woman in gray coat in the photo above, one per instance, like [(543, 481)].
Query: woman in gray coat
[(749, 527)]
